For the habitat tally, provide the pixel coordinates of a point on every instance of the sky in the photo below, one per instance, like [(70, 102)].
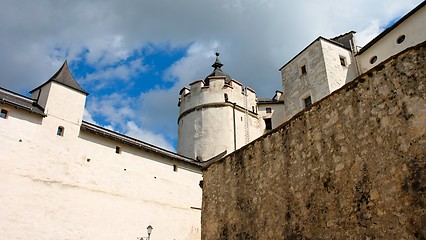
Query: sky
[(133, 56)]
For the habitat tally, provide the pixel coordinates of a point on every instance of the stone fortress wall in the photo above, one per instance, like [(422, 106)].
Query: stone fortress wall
[(352, 166)]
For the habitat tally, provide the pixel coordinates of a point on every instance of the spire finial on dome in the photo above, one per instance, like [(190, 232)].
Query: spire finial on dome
[(217, 64)]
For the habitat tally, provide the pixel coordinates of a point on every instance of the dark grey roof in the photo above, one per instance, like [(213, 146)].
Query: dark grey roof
[(217, 72), (19, 101), (100, 131), (269, 101), (63, 76), (346, 39), (381, 35)]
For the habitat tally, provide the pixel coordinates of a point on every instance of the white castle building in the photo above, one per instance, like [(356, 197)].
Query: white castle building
[(64, 178), (220, 114)]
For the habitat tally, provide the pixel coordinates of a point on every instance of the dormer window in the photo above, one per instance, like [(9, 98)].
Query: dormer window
[(60, 131), (3, 113)]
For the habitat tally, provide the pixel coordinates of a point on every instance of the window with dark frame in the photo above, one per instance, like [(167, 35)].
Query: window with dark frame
[(3, 113), (117, 149), (342, 61), (268, 110), (373, 59), (175, 168), (400, 39), (307, 101), (60, 131), (303, 68), (268, 123)]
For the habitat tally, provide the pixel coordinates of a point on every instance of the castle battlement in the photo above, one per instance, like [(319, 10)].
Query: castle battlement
[(216, 114), (218, 90)]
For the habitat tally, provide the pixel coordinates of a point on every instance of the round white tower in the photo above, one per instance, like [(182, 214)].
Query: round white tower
[(216, 114)]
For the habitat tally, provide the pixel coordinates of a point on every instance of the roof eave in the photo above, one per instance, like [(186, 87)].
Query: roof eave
[(317, 39)]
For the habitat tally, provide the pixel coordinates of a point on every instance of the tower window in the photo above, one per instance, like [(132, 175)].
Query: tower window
[(268, 110), (400, 39), (117, 149), (60, 131), (3, 113), (307, 101), (226, 97), (342, 61), (268, 123), (303, 69)]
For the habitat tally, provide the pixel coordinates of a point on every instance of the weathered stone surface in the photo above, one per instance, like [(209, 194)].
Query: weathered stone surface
[(353, 166)]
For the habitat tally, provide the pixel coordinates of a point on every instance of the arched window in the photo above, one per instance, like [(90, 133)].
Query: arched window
[(60, 131)]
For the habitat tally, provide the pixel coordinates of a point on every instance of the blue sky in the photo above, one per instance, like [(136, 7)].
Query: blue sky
[(133, 56)]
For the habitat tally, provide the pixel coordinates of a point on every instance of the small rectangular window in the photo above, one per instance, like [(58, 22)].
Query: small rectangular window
[(3, 113), (342, 61), (175, 168), (268, 110), (307, 101), (268, 123), (117, 150), (303, 68), (60, 131)]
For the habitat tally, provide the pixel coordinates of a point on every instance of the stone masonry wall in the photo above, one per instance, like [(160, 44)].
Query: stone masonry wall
[(353, 166)]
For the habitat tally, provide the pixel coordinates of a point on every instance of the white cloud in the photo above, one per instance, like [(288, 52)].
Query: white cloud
[(368, 33), (255, 38), (88, 117), (158, 140), (117, 110), (124, 71)]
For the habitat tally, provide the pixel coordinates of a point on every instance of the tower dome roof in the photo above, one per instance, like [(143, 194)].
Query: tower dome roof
[(217, 72)]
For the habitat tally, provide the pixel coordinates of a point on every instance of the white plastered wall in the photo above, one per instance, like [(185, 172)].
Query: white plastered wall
[(414, 30), (277, 114), (325, 74), (206, 121), (337, 74), (77, 187), (296, 84)]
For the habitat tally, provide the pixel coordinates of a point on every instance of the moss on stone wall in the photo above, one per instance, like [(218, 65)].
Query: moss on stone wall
[(352, 166)]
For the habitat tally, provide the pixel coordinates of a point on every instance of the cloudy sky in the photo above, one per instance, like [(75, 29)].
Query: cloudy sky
[(133, 56)]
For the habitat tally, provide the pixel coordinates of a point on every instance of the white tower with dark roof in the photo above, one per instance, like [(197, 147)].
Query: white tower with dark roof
[(216, 114), (63, 101)]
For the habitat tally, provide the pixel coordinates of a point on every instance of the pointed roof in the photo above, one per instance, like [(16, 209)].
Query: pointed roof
[(217, 72), (63, 76)]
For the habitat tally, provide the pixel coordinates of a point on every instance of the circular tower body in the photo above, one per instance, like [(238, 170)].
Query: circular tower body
[(216, 114)]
